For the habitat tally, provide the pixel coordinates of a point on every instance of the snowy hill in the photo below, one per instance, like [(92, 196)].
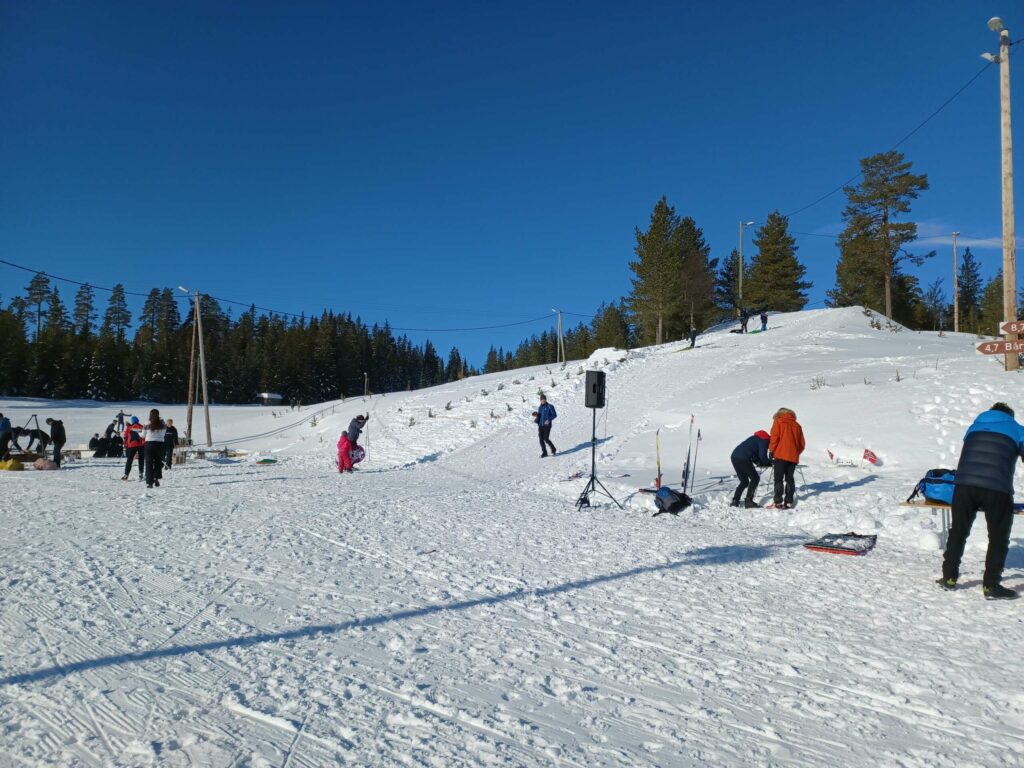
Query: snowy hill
[(448, 605)]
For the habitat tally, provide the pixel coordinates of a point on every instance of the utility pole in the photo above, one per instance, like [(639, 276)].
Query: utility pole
[(956, 292), (366, 384), (202, 372), (743, 225), (191, 382), (560, 351), (1012, 361)]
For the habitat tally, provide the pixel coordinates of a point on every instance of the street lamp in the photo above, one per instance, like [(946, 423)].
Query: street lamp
[(1012, 361), (956, 281), (197, 333), (743, 225)]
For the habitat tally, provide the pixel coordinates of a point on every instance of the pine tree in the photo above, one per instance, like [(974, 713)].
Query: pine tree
[(610, 327), (38, 293), (991, 312), (884, 193), (969, 287), (117, 317), (85, 310), (726, 286), (697, 278), (654, 300), (776, 277)]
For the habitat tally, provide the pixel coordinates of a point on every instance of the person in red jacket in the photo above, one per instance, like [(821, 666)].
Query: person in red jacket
[(133, 444), (785, 446), (349, 441)]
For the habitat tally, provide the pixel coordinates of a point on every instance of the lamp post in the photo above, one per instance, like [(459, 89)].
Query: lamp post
[(197, 332), (1012, 362), (956, 292), (743, 225)]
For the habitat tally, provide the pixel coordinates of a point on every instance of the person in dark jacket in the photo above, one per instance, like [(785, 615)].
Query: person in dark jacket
[(170, 440), (133, 446), (545, 415), (94, 441), (58, 436), (984, 481), (693, 337), (744, 319), (6, 434), (36, 436), (764, 319), (746, 458)]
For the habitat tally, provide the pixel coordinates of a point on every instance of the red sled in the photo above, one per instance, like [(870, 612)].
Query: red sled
[(843, 543)]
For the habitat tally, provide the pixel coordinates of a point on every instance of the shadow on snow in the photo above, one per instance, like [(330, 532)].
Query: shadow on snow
[(718, 555)]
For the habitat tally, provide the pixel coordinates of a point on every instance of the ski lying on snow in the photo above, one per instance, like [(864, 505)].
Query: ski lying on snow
[(581, 474)]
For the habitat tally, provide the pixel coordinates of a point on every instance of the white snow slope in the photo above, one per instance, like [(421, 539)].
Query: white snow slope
[(448, 605)]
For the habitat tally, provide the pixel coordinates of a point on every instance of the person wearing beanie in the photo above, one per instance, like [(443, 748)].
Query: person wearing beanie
[(746, 458), (133, 446)]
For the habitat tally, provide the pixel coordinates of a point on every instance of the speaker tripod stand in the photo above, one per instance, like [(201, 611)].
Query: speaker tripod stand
[(593, 483)]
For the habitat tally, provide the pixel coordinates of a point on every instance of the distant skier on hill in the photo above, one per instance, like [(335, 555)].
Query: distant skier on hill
[(693, 337), (545, 415), (785, 446), (350, 440), (984, 481), (764, 319), (744, 319), (746, 457)]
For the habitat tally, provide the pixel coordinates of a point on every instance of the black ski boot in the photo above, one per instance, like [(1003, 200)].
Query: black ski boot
[(999, 592), (751, 504)]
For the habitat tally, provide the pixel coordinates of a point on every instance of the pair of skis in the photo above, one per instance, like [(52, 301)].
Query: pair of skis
[(689, 472)]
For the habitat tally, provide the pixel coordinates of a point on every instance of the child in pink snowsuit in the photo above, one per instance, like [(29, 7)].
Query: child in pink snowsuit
[(344, 453)]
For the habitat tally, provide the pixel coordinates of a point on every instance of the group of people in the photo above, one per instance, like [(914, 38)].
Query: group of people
[(983, 483), (745, 315), (779, 449), (9, 435), (151, 445)]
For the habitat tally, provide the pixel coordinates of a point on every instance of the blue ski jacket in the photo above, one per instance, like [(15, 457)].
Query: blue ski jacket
[(5, 425), (992, 445), (546, 414), (754, 448)]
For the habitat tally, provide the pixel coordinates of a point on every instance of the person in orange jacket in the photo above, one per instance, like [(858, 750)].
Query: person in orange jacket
[(785, 446)]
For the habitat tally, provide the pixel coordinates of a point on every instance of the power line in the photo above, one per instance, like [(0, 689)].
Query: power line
[(920, 125), (266, 309)]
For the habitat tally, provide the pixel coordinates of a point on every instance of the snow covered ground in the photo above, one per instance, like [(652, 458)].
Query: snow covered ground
[(448, 605)]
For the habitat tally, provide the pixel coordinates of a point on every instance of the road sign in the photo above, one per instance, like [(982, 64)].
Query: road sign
[(1014, 326), (1001, 347)]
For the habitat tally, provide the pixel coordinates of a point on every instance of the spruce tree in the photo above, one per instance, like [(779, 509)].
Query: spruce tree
[(654, 300), (969, 287), (726, 286), (936, 306), (117, 317), (610, 327), (991, 311), (873, 206), (697, 278), (776, 277)]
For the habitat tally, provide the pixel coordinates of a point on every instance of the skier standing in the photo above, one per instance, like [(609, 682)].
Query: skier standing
[(744, 319), (764, 319), (349, 440), (545, 415), (785, 446), (58, 436), (984, 481), (153, 447), (693, 337), (746, 457), (133, 443)]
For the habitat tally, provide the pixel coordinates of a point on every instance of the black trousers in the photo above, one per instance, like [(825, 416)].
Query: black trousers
[(544, 433), (998, 509), (168, 454), (154, 452), (131, 453), (747, 473), (784, 475), (56, 453)]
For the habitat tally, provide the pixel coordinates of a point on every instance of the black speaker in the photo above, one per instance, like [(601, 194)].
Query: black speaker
[(595, 389)]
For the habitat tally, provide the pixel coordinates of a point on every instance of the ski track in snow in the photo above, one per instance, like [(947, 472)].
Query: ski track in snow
[(448, 605)]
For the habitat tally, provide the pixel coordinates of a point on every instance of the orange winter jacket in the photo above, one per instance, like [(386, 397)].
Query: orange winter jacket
[(787, 439)]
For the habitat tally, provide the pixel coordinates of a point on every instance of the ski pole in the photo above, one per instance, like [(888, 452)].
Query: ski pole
[(689, 444), (696, 450), (657, 452)]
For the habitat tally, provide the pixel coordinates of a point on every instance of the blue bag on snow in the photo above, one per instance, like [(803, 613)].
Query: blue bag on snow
[(936, 485), (673, 502)]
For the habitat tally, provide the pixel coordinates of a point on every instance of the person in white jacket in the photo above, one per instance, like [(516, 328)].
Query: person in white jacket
[(153, 451)]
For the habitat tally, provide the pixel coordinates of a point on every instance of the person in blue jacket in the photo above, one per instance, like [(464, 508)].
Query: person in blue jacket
[(746, 458), (545, 415), (984, 481)]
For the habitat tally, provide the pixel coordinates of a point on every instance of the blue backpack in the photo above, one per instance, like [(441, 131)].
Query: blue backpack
[(673, 502), (936, 485)]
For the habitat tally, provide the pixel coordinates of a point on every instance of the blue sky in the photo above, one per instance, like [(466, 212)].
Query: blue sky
[(469, 164)]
